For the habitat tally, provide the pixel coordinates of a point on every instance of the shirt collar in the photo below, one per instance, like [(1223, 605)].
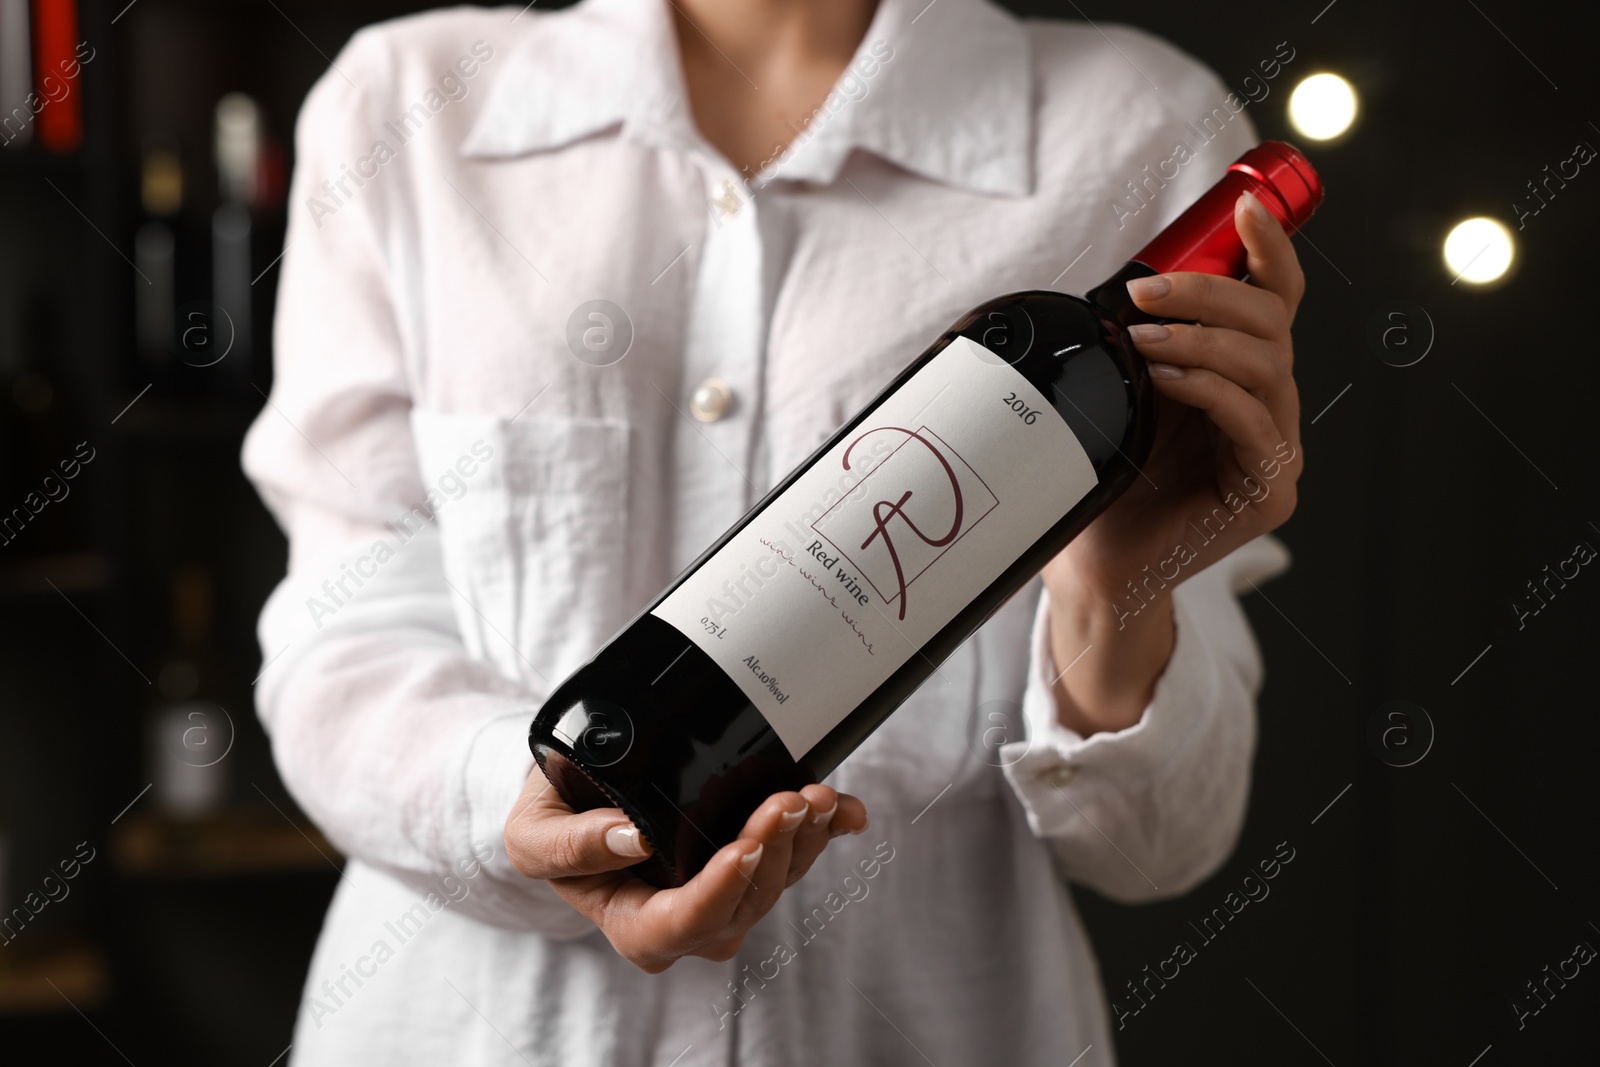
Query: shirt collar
[(949, 95)]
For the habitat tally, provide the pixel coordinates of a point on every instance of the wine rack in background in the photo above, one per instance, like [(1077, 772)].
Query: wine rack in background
[(144, 213)]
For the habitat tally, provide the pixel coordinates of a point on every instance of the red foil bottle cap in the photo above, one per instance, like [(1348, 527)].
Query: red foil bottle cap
[(1284, 179), (1204, 238)]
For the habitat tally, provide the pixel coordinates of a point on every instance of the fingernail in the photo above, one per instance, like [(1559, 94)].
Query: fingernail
[(824, 816), (791, 820), (627, 841), (1145, 332), (1149, 288), (747, 865), (1165, 370), (1252, 204)]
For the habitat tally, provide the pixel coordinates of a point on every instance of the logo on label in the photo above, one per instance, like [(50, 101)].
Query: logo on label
[(907, 513)]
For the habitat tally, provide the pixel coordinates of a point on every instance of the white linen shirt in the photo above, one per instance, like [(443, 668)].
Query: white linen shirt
[(473, 509)]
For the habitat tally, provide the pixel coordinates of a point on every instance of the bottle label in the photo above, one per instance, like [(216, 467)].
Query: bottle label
[(872, 550)]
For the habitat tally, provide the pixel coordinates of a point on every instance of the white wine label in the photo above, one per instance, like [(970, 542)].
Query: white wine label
[(881, 542)]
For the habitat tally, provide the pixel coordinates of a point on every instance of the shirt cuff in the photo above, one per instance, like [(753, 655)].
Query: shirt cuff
[(498, 763), (1212, 635)]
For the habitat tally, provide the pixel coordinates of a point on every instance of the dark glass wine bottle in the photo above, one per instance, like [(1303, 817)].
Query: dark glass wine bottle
[(187, 729), (802, 628)]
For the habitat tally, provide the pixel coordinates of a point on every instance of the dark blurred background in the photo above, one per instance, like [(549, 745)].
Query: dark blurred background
[(1427, 738)]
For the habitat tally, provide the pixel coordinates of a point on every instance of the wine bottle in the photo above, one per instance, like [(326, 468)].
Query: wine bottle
[(187, 730), (789, 640)]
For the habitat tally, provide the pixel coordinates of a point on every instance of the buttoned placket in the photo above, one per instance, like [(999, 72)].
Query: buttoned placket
[(715, 437)]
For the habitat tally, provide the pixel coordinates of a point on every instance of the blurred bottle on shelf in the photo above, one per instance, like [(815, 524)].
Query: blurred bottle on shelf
[(16, 71), (188, 733), (155, 254), (238, 141), (239, 156), (161, 180), (57, 75)]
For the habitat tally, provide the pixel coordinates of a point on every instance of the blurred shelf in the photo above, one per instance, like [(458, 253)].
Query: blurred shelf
[(37, 163), (226, 844), (185, 419), (51, 978), (69, 572)]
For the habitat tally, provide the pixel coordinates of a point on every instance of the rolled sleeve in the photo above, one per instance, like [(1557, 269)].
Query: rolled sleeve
[(1150, 810), (497, 762)]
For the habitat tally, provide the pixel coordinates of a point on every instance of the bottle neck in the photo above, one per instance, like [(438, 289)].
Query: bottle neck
[(1204, 238)]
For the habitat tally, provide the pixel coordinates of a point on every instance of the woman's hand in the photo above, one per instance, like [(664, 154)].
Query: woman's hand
[(584, 856), (1223, 471)]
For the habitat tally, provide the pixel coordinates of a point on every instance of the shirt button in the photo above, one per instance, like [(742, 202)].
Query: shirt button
[(1062, 775), (727, 201), (711, 400)]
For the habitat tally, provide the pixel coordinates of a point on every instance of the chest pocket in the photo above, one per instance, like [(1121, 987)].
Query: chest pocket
[(534, 538)]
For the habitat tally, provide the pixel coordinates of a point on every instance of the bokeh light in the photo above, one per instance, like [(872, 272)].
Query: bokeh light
[(1323, 106), (1479, 251)]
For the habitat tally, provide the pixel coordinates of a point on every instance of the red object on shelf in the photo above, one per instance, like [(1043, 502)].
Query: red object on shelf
[(56, 74), (271, 175)]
